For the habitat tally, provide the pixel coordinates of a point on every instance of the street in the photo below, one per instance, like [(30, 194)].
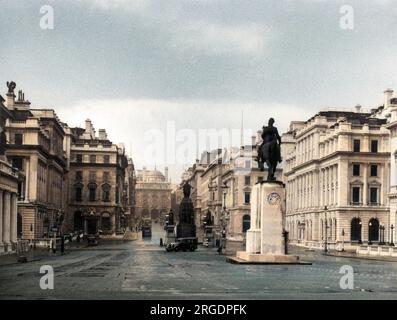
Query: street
[(143, 270)]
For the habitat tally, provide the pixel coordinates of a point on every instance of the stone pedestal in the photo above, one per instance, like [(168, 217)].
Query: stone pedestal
[(265, 240)]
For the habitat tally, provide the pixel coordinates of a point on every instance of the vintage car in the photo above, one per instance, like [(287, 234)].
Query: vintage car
[(182, 244)]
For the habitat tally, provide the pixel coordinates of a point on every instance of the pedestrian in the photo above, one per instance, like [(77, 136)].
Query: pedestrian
[(220, 249), (161, 242)]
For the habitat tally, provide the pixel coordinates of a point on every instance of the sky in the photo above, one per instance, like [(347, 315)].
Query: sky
[(154, 73)]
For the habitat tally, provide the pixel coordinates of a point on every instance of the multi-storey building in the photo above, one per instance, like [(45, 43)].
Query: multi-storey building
[(153, 196), (98, 196), (129, 187), (336, 170), (388, 111), (36, 148), (8, 191)]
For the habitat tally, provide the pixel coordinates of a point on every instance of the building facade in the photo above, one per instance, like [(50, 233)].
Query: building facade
[(98, 192), (153, 196), (336, 170), (36, 148), (8, 191)]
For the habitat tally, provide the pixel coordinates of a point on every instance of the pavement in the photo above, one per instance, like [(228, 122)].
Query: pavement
[(144, 270)]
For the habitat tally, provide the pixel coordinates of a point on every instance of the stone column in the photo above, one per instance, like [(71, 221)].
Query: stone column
[(6, 217), (14, 219), (1, 220)]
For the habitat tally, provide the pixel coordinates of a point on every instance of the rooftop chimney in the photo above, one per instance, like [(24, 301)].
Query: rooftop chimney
[(358, 108), (388, 94), (102, 134), (253, 140), (88, 126)]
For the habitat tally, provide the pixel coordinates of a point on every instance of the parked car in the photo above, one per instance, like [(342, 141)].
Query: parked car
[(182, 244)]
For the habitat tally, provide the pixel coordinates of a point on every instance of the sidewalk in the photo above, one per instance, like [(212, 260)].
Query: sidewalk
[(360, 256)]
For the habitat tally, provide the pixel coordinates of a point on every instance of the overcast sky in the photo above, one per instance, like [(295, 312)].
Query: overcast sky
[(131, 66)]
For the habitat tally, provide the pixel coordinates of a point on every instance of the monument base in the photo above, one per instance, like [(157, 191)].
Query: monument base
[(243, 257), (185, 231)]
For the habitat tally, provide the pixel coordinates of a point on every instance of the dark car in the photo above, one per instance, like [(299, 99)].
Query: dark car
[(182, 244)]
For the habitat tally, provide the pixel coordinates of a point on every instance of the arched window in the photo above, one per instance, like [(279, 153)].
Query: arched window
[(246, 222), (355, 234), (106, 192), (78, 221), (373, 230)]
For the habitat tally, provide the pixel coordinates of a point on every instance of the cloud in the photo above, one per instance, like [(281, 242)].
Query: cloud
[(211, 39), (137, 6)]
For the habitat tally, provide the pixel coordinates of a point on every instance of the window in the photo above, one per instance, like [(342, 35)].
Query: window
[(247, 180), (17, 162), (79, 158), (260, 179), (18, 139), (247, 164), (247, 197), (356, 195), (356, 170), (92, 176), (355, 230), (373, 195), (374, 146), (92, 188), (374, 170), (106, 193), (79, 175), (78, 193), (356, 145), (93, 158), (246, 222), (106, 159)]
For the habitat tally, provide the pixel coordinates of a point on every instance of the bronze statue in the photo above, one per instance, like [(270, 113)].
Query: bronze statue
[(269, 150), (208, 219), (171, 218), (11, 87), (187, 188)]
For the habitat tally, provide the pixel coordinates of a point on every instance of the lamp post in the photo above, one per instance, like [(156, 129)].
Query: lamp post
[(391, 235), (369, 233), (343, 240), (326, 231)]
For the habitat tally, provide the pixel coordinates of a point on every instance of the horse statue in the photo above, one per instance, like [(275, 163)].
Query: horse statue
[(269, 150)]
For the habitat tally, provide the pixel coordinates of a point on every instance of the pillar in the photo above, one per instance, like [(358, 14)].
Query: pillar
[(6, 217), (14, 218), (365, 186)]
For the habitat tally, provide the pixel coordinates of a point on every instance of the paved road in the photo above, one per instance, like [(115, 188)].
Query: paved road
[(142, 270)]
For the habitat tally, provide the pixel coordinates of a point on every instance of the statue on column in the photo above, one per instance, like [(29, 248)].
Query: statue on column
[(269, 150)]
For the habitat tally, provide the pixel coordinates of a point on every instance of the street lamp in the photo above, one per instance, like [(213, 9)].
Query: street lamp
[(391, 235), (343, 240), (381, 234), (326, 231), (369, 233)]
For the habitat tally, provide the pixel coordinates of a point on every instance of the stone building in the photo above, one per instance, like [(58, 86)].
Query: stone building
[(388, 111), (153, 196), (97, 188), (8, 191), (129, 187), (336, 170), (36, 148)]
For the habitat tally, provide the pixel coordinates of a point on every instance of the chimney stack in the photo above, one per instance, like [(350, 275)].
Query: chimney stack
[(88, 126), (388, 94), (358, 108), (102, 134), (253, 140)]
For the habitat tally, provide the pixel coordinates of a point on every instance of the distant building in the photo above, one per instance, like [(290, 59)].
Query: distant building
[(36, 148), (336, 170), (153, 195), (8, 191), (98, 194)]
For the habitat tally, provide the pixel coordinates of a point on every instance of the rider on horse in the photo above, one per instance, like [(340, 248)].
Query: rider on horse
[(269, 150)]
